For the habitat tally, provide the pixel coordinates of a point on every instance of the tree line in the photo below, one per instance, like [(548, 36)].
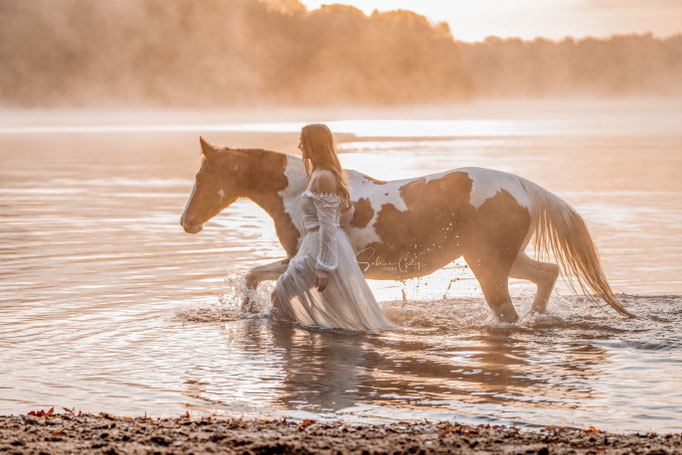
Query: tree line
[(275, 52)]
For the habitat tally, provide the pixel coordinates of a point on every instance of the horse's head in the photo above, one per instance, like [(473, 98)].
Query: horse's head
[(214, 189)]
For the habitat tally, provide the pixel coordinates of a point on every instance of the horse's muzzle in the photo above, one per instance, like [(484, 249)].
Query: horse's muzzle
[(191, 229)]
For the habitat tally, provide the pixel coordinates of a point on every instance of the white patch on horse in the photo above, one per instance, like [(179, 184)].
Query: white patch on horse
[(486, 183), (361, 187), (221, 193), (191, 196), (378, 195), (296, 183)]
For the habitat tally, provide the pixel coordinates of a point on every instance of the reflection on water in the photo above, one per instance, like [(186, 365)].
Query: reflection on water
[(564, 368), (105, 304)]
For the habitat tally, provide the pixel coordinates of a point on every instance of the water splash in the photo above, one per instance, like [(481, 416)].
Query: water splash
[(235, 303)]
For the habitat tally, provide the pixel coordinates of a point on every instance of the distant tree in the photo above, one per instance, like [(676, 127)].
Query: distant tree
[(621, 65), (247, 52)]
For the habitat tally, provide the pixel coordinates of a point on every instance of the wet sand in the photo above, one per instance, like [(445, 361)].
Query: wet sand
[(104, 433)]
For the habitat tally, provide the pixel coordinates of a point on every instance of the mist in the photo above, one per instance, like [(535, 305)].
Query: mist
[(183, 53), (622, 65)]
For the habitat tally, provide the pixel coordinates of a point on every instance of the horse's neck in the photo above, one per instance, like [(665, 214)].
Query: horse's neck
[(275, 188)]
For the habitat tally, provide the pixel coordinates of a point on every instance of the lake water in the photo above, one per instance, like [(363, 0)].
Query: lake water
[(107, 305)]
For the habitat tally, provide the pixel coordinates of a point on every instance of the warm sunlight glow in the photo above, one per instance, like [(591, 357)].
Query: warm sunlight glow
[(474, 21), (276, 226)]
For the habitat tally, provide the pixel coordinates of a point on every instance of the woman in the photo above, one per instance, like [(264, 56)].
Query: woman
[(323, 285)]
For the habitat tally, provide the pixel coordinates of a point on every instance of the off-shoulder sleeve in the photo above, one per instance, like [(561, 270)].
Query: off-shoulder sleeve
[(327, 206)]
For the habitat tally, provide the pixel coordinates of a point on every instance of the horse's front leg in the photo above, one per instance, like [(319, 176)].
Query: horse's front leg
[(260, 273)]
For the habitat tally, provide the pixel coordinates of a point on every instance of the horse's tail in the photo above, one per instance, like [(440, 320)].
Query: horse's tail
[(559, 229)]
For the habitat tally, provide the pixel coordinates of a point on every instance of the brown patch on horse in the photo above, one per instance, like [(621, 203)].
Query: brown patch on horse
[(428, 235), (363, 213), (375, 181), (498, 230)]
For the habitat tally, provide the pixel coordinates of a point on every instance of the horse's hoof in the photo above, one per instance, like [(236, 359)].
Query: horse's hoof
[(538, 310), (508, 317)]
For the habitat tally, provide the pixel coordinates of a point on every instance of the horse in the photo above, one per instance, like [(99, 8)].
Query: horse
[(409, 228)]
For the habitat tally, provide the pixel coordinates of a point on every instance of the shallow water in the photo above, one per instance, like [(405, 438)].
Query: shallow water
[(107, 305)]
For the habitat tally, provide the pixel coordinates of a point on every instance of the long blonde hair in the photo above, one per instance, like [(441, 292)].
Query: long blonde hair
[(319, 151)]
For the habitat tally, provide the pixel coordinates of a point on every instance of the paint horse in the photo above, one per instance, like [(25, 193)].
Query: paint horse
[(409, 228)]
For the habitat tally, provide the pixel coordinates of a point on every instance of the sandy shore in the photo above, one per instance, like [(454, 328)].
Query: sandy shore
[(70, 433)]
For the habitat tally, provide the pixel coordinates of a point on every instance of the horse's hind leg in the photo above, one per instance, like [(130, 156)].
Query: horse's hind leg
[(543, 274), (493, 276)]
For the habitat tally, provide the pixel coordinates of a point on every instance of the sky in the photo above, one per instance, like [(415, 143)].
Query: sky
[(473, 20)]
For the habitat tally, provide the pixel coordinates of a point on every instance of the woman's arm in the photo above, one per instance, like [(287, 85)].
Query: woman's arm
[(326, 203)]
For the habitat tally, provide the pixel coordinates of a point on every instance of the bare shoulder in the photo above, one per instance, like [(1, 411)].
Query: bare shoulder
[(324, 183)]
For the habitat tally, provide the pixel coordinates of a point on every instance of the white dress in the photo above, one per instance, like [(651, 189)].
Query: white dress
[(347, 302)]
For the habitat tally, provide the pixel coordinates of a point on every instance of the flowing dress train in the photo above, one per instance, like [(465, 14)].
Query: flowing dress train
[(347, 302)]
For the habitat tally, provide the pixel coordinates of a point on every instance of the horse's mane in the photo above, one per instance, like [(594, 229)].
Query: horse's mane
[(250, 151)]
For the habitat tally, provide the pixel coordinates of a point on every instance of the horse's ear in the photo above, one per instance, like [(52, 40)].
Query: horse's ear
[(207, 149)]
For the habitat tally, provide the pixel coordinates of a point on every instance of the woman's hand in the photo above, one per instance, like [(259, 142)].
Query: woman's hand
[(321, 280)]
